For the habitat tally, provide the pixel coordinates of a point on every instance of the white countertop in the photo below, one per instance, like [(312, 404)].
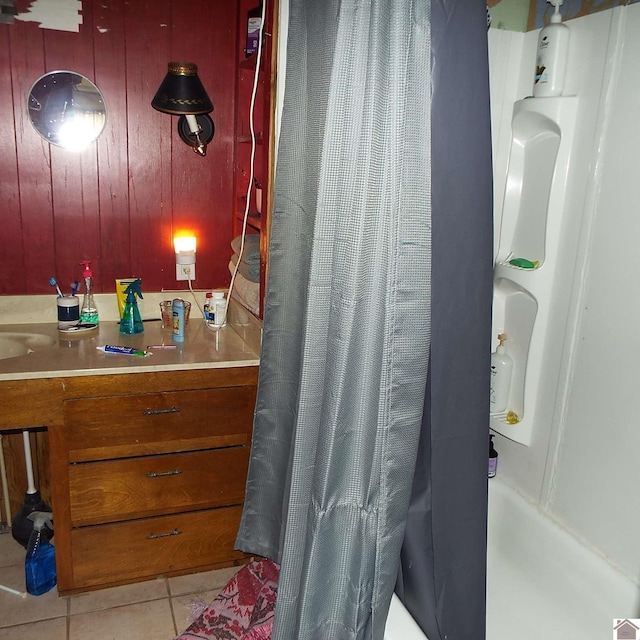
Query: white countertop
[(76, 355)]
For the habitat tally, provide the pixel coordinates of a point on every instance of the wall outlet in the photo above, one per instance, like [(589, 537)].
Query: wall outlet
[(185, 271)]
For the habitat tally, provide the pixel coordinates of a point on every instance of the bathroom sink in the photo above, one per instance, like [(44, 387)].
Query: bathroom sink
[(13, 344)]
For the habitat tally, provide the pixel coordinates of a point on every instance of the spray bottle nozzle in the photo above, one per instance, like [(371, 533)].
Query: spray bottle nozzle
[(41, 519), (134, 290)]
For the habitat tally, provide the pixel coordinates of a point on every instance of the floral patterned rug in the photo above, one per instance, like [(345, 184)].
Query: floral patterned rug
[(243, 610)]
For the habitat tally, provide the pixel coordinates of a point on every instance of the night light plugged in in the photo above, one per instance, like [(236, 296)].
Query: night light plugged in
[(185, 248)]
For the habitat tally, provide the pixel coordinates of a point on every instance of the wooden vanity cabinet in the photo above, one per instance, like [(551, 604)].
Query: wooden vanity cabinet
[(149, 474)]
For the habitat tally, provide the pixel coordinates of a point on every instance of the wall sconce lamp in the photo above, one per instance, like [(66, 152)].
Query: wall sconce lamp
[(182, 94), (185, 248)]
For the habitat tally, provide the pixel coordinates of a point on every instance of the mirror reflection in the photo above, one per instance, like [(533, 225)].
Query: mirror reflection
[(67, 109)]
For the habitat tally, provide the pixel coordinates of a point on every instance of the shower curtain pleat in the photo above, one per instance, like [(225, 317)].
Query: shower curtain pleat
[(347, 322), (443, 570)]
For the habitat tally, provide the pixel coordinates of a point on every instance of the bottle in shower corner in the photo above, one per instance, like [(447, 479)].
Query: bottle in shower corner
[(493, 458), (88, 310), (40, 562), (501, 370), (551, 57)]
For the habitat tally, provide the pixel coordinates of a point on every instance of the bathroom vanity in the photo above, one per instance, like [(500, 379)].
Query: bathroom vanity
[(148, 456)]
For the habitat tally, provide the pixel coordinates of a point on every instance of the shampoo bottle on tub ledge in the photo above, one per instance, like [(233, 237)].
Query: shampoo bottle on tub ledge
[(551, 59)]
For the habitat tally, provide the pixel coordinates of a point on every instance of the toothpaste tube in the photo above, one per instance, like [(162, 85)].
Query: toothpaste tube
[(126, 351)]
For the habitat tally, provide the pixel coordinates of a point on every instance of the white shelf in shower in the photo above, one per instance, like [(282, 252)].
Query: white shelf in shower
[(534, 227)]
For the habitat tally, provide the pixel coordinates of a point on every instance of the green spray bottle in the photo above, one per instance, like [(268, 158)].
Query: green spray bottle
[(131, 321)]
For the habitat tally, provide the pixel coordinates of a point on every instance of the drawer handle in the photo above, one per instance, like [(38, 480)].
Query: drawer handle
[(155, 536), (160, 474), (155, 412)]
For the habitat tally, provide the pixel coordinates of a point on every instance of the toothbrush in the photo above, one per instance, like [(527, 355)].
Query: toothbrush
[(74, 287), (53, 283)]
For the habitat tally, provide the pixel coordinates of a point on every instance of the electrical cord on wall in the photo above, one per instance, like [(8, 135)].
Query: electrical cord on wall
[(254, 92), (193, 294)]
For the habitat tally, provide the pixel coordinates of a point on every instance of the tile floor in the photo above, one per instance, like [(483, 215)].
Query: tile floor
[(153, 610)]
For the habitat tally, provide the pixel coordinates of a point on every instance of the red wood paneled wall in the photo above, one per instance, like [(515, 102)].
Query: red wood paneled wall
[(119, 202)]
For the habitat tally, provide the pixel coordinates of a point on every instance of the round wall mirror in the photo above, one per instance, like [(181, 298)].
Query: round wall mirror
[(67, 109)]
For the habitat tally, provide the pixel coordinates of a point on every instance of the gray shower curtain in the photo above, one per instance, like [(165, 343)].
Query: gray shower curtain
[(443, 570), (348, 318)]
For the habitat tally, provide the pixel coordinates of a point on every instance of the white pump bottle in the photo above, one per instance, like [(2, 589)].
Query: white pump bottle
[(551, 59), (501, 370)]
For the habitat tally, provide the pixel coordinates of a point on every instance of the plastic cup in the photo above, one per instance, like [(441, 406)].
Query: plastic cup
[(166, 313)]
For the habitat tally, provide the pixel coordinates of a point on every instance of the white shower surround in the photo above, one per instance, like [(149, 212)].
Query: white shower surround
[(581, 463)]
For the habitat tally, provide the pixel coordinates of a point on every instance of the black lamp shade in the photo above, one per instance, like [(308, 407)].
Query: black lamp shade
[(181, 92)]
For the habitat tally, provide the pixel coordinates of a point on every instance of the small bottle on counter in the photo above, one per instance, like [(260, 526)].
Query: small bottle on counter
[(217, 310), (88, 310), (207, 310), (178, 311)]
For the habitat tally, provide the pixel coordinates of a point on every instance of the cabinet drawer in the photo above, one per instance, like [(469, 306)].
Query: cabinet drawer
[(145, 548), (138, 487), (154, 423)]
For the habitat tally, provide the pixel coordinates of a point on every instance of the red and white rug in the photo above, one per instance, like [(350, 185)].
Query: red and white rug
[(243, 610)]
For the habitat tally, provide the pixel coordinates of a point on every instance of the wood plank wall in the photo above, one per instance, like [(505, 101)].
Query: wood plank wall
[(119, 202)]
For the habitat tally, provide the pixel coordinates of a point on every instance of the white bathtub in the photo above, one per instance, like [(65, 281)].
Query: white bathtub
[(542, 583), (400, 624)]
